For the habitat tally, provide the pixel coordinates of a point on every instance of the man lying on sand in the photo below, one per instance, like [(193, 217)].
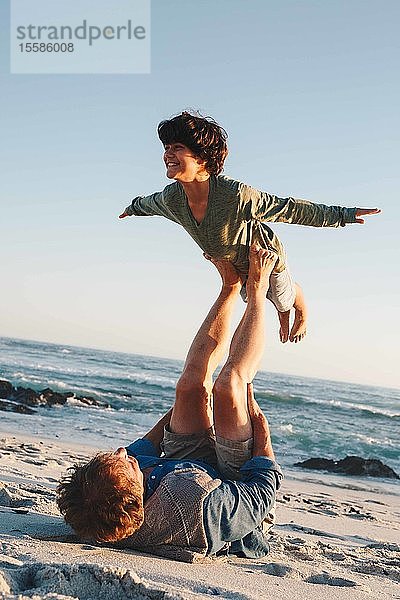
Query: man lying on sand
[(214, 487)]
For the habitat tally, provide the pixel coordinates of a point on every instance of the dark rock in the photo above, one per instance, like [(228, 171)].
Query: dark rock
[(6, 389), (48, 397), (26, 396), (89, 401), (10, 406), (351, 465), (321, 464), (354, 465), (23, 397)]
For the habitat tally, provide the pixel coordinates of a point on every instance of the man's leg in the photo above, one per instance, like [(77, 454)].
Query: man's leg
[(192, 412), (231, 416)]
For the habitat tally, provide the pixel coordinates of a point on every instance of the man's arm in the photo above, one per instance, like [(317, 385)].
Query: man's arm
[(262, 444), (267, 207), (156, 433), (150, 444), (236, 508)]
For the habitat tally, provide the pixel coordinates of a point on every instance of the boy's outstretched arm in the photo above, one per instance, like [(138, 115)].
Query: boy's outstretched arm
[(148, 206), (267, 207)]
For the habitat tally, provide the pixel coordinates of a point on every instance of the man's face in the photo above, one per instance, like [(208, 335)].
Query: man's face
[(131, 463), (181, 163)]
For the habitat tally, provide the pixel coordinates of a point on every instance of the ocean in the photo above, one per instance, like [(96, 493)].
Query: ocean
[(308, 417)]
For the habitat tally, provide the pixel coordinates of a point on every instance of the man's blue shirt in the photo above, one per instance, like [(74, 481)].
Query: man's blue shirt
[(234, 511)]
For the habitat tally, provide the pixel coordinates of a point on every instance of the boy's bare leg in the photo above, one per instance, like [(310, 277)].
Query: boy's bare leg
[(231, 416), (299, 327), (284, 321), (192, 411)]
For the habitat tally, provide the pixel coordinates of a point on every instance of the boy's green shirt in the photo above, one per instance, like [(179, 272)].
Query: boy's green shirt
[(235, 217)]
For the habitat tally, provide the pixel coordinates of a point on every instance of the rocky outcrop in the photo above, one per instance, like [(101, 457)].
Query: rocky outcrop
[(6, 389), (351, 465), (22, 400), (8, 406)]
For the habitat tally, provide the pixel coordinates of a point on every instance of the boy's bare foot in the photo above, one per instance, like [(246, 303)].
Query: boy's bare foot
[(284, 320), (261, 266), (230, 276), (299, 327)]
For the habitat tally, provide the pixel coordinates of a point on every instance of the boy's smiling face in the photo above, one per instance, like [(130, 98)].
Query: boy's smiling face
[(182, 164)]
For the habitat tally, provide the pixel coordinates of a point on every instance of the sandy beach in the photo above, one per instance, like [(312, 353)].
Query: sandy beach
[(336, 537)]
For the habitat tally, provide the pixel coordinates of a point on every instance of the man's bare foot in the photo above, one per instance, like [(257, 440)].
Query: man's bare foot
[(230, 276), (284, 320), (299, 327), (261, 266)]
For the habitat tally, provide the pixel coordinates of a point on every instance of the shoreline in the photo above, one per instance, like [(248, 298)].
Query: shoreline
[(334, 536), (180, 361)]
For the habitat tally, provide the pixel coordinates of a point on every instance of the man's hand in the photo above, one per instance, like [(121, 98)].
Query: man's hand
[(361, 212), (262, 445), (123, 215), (156, 434)]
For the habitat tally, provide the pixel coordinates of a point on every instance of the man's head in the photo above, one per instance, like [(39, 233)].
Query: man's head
[(102, 500), (201, 135)]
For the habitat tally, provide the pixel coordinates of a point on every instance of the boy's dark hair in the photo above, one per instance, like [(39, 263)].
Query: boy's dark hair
[(202, 135)]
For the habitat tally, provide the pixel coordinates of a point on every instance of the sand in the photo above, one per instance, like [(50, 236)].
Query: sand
[(335, 537)]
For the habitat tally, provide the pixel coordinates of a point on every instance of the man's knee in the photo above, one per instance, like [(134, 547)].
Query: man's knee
[(231, 415), (229, 386), (191, 385)]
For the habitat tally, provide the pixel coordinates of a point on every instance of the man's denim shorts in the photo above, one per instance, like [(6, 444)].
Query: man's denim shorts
[(227, 456)]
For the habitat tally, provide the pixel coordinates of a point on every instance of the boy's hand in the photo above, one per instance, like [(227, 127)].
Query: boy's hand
[(360, 212), (123, 215)]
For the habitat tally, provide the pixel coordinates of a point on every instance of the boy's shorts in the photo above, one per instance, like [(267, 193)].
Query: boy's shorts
[(227, 456), (282, 291)]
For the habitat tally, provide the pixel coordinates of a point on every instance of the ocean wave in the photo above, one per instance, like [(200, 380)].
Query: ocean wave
[(145, 379), (76, 403), (288, 428), (296, 400), (308, 416), (370, 440), (23, 378)]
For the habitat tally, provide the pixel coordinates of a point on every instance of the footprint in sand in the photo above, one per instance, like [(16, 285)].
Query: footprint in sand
[(76, 581), (5, 495), (296, 541), (31, 448), (280, 570), (326, 579), (18, 496)]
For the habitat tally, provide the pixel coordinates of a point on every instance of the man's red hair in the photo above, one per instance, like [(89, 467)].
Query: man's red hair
[(101, 500)]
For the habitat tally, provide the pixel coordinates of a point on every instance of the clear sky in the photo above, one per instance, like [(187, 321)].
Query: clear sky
[(309, 94)]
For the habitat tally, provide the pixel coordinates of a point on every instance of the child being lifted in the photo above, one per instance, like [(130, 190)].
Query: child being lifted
[(224, 216)]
